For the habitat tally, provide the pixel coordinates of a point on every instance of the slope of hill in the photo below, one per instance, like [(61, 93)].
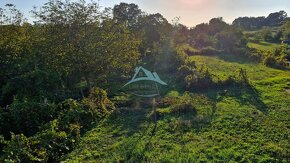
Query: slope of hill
[(248, 124), (263, 45)]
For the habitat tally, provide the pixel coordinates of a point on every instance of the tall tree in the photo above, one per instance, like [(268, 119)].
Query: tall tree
[(85, 41), (128, 14), (276, 18)]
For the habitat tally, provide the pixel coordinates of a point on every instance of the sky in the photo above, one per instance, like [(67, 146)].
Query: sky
[(190, 12)]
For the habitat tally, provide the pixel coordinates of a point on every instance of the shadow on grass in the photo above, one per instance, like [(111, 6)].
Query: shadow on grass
[(129, 121), (237, 59), (244, 94), (241, 59), (263, 43)]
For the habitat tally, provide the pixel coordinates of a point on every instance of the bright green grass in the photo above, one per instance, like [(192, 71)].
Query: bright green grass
[(249, 125), (225, 65), (263, 45)]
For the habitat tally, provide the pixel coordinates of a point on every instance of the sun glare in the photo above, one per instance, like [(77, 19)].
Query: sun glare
[(191, 2)]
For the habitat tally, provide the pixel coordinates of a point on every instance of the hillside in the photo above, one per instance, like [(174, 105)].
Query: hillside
[(247, 124), (222, 91)]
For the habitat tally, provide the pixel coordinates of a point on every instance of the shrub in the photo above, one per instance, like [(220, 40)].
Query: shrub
[(48, 145), (29, 116), (184, 108), (2, 144), (87, 111), (6, 122), (56, 141), (270, 61), (200, 79), (75, 113), (98, 102), (58, 137), (22, 149), (184, 104), (166, 102), (122, 100)]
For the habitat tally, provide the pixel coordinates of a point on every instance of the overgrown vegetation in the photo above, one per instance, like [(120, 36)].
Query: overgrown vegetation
[(227, 97)]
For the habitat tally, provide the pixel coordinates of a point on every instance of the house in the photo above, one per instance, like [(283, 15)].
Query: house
[(286, 42)]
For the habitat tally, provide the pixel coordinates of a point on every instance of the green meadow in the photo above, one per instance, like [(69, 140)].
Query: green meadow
[(233, 123)]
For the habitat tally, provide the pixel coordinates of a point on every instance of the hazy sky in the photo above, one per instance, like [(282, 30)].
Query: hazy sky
[(191, 12)]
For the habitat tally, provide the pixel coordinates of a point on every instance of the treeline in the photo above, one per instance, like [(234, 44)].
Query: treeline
[(73, 46), (250, 23), (69, 49), (281, 33)]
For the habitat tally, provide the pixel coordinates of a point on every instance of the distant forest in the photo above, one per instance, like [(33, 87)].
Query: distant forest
[(272, 20)]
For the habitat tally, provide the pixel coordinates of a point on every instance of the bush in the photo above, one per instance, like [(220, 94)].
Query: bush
[(75, 113), (49, 145), (200, 79), (185, 104), (184, 108), (87, 111), (59, 136), (6, 122), (29, 116), (122, 100), (58, 140), (22, 149), (270, 61), (2, 144), (98, 102)]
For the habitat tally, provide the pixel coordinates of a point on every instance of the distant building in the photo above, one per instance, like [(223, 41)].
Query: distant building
[(288, 63), (286, 42)]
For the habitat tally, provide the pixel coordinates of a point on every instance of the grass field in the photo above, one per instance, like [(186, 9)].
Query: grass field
[(263, 45), (248, 124)]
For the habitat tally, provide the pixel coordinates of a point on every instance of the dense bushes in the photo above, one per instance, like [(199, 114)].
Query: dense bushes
[(26, 116), (276, 58), (184, 105), (195, 77), (87, 111), (269, 61), (46, 146), (22, 149), (68, 120)]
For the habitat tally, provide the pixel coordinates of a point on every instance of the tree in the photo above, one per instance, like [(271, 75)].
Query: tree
[(216, 25), (276, 18), (128, 14), (153, 28), (230, 39), (266, 34), (286, 30), (85, 44), (249, 23), (11, 15), (181, 34)]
